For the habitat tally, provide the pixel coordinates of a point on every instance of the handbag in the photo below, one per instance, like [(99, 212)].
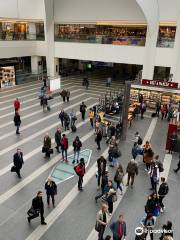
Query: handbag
[(50, 151), (43, 149), (13, 169), (32, 212), (114, 198), (97, 227)]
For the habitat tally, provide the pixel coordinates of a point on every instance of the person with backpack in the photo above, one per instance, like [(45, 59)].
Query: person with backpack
[(163, 191), (66, 121), (77, 144), (64, 147), (83, 110), (132, 170), (80, 171), (51, 191), (119, 177), (61, 117)]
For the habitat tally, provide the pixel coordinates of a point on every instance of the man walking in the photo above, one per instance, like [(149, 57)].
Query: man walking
[(91, 117), (83, 110), (118, 229), (18, 162), (37, 208), (163, 191), (64, 147), (132, 170), (58, 139), (17, 105), (17, 121)]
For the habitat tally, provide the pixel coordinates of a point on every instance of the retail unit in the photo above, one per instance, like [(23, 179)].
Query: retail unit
[(7, 76), (154, 94)]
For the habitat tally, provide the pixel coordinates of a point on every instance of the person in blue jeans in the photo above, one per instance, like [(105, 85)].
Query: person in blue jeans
[(119, 177), (77, 144)]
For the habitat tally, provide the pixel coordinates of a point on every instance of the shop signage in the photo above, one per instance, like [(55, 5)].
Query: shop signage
[(160, 83)]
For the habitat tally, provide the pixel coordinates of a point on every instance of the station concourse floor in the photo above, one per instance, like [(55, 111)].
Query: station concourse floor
[(75, 214)]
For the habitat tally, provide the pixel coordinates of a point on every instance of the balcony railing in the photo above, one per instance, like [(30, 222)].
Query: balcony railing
[(102, 39), (12, 36)]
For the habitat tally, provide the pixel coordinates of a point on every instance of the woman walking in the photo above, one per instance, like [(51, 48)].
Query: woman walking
[(51, 191)]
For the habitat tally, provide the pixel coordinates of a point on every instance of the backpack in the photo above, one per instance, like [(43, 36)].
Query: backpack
[(160, 166), (77, 169), (164, 189), (140, 141)]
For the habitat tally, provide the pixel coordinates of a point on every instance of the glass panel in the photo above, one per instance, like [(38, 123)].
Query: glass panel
[(166, 37), (102, 34)]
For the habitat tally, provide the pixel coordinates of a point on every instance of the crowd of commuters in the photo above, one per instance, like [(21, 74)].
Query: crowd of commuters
[(108, 186)]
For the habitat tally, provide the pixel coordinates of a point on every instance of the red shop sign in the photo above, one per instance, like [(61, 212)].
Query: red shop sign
[(160, 83)]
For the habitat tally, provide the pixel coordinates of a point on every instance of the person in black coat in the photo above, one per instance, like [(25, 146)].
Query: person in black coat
[(37, 208), (18, 162), (61, 117), (51, 190), (98, 139), (83, 110), (58, 139), (101, 164), (104, 183), (17, 121)]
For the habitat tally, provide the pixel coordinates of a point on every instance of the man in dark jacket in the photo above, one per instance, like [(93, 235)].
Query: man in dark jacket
[(18, 161), (17, 122), (163, 191), (101, 164), (77, 144), (58, 139), (51, 191), (132, 170), (104, 183), (118, 229), (37, 208), (83, 110)]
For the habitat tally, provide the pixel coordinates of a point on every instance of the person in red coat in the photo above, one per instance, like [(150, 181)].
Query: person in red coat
[(17, 105), (64, 147), (80, 171)]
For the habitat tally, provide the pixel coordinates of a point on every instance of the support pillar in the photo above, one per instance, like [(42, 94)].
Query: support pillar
[(175, 69), (36, 67), (150, 53)]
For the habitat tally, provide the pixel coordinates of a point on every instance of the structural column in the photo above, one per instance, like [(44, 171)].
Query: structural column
[(36, 65), (49, 35), (175, 70), (150, 53)]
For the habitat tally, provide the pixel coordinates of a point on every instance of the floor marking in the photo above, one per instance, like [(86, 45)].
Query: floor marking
[(62, 206), (166, 164), (38, 149), (26, 101), (25, 140), (34, 105), (94, 235), (37, 173), (38, 111)]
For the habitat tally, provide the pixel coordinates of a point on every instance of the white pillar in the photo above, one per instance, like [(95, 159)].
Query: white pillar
[(56, 66), (35, 67), (32, 31), (150, 53), (49, 34), (175, 69)]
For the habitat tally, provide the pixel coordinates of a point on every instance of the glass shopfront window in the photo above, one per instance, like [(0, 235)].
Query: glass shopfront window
[(89, 33), (21, 31), (166, 37)]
